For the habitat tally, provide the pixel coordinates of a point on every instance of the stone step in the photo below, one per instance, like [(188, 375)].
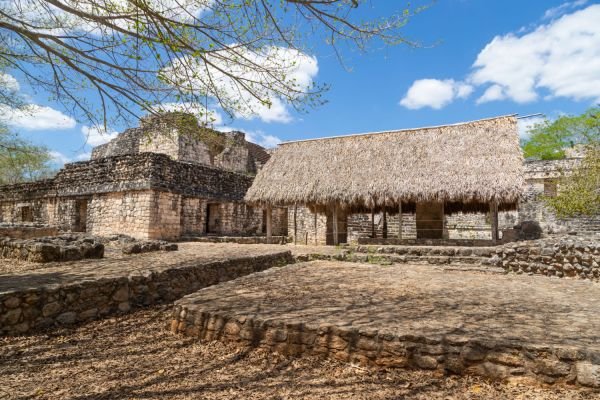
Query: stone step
[(426, 250), (374, 258)]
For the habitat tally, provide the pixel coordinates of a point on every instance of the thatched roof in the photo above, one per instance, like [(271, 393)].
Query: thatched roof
[(474, 163)]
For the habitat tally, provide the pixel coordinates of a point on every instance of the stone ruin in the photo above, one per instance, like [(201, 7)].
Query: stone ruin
[(171, 178), (166, 179)]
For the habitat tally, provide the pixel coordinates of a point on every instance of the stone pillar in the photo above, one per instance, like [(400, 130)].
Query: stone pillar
[(269, 217)]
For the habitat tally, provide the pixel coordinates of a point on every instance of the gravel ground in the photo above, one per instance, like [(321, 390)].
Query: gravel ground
[(136, 357)]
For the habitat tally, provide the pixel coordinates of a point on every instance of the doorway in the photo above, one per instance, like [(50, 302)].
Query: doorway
[(80, 224), (213, 218), (430, 220)]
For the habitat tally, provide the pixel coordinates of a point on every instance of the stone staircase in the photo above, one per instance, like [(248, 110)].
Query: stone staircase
[(449, 258)]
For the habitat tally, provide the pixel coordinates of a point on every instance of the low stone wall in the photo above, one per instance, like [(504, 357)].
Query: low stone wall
[(42, 308), (455, 354), (426, 242), (48, 249), (17, 231), (238, 239), (560, 257)]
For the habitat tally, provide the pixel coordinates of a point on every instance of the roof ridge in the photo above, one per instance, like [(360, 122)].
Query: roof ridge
[(397, 130)]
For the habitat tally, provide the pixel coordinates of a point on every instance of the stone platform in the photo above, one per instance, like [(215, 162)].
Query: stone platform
[(62, 293), (523, 328)]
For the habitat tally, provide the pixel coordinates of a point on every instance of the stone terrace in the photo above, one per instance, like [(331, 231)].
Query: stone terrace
[(526, 328), (34, 296)]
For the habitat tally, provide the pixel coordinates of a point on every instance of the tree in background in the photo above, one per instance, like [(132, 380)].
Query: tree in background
[(137, 55), (21, 161), (579, 192), (549, 140)]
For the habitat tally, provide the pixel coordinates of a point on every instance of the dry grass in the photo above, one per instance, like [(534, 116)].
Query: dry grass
[(135, 357), (472, 162)]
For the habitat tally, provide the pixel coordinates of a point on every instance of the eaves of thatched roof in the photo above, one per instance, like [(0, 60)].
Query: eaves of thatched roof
[(475, 162)]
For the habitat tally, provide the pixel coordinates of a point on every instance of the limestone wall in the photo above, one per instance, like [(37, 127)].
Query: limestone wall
[(179, 136), (559, 257), (30, 310)]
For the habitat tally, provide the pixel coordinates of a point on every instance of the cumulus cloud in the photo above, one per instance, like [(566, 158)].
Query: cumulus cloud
[(559, 59), (59, 158), (284, 68), (35, 117), (96, 135), (8, 82), (564, 8), (434, 93)]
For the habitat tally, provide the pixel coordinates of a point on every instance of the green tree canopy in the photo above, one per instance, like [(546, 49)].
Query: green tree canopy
[(579, 193), (549, 140), (21, 161)]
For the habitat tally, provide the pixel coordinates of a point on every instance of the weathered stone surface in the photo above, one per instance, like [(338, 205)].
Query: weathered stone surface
[(588, 374), (65, 293), (406, 316), (49, 249), (560, 257)]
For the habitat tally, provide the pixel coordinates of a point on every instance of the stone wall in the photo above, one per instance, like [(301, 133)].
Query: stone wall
[(35, 309), (468, 226), (559, 257), (49, 249), (543, 179), (142, 195), (27, 231), (181, 138), (301, 226)]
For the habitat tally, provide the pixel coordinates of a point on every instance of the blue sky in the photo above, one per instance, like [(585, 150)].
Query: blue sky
[(479, 58)]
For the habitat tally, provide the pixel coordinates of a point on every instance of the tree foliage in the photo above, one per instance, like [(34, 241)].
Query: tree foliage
[(579, 193), (549, 140), (139, 54), (21, 161)]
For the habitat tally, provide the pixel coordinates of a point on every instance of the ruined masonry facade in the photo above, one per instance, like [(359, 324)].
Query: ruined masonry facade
[(189, 181)]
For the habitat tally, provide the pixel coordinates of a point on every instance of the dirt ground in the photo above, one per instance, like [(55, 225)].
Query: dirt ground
[(136, 357)]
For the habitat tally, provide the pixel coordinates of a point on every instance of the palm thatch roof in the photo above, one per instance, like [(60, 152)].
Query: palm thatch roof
[(472, 163)]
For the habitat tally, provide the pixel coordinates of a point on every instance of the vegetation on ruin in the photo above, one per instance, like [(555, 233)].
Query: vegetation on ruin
[(132, 56), (579, 193), (21, 161), (550, 140), (579, 190)]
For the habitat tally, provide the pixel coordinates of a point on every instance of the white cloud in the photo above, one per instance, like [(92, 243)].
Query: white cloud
[(525, 125), (563, 8), (559, 59), (211, 117), (434, 93), (96, 135), (59, 158), (9, 82), (35, 117), (83, 156), (493, 93), (283, 68), (259, 137)]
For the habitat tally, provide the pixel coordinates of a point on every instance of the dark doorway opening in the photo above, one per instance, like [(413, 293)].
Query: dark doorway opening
[(26, 214), (430, 220), (213, 218), (80, 224)]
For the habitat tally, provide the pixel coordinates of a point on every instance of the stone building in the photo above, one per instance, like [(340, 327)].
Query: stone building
[(166, 179), (413, 184)]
